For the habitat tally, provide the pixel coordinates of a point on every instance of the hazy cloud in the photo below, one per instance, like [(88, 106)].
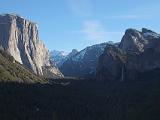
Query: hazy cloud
[(96, 32), (81, 8), (128, 17)]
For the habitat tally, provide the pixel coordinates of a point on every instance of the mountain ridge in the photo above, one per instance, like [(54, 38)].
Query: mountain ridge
[(84, 62)]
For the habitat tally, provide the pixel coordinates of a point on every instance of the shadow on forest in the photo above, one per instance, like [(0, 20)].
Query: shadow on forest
[(82, 100)]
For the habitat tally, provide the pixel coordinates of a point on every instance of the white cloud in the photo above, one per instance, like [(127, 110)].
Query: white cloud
[(96, 32)]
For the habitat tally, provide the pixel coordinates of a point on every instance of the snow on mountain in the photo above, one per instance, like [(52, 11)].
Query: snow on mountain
[(79, 56), (84, 62), (58, 57), (59, 53), (149, 34)]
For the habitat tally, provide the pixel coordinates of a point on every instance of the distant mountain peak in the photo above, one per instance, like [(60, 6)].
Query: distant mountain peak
[(56, 52), (84, 62), (59, 57), (74, 50)]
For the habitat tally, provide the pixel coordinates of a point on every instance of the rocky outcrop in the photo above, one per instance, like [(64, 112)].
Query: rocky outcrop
[(138, 52), (51, 72), (132, 41), (20, 38), (111, 63), (83, 63), (138, 41)]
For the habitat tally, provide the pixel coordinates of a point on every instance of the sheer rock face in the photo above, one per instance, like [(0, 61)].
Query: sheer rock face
[(138, 41), (110, 63), (132, 41), (138, 52), (20, 38)]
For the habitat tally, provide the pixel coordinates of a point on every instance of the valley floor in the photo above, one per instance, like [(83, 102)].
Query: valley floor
[(81, 100)]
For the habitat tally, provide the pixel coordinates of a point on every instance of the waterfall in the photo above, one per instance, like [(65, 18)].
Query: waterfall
[(122, 74)]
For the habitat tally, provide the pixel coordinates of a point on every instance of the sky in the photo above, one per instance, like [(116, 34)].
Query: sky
[(67, 24)]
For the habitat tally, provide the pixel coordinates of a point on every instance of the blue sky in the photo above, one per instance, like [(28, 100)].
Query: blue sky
[(68, 24)]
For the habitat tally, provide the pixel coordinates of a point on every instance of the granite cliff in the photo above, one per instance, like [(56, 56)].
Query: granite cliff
[(138, 52), (20, 38)]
